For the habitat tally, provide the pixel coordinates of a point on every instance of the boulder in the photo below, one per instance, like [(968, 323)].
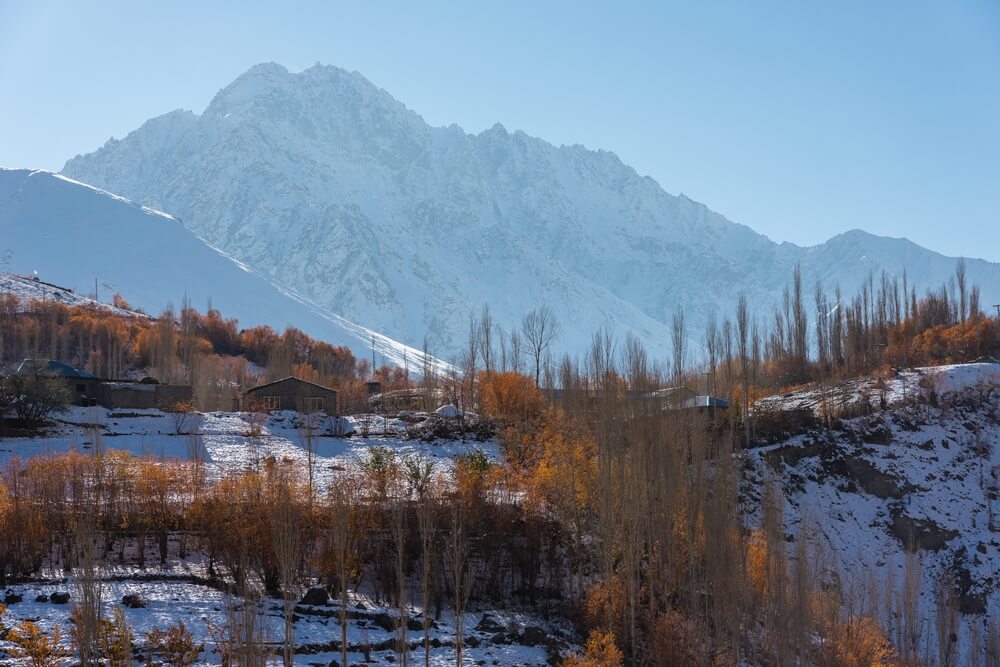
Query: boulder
[(315, 596), (10, 597), (133, 601), (60, 598), (448, 412), (489, 624), (533, 636)]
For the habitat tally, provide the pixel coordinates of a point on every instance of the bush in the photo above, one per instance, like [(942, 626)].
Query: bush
[(116, 640), (41, 649), (182, 414), (34, 397), (175, 645), (601, 651)]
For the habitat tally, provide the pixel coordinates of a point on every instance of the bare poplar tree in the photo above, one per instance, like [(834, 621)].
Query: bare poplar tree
[(946, 621), (470, 364), (910, 626), (88, 610), (286, 542), (398, 527), (428, 377), (540, 328), (343, 536), (992, 644), (962, 281), (307, 431), (458, 560), (743, 348), (486, 331), (516, 351), (677, 330)]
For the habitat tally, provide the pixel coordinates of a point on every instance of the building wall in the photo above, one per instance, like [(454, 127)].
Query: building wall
[(117, 395), (290, 394), (83, 390)]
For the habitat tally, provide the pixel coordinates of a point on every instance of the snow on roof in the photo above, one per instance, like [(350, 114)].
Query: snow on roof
[(50, 367)]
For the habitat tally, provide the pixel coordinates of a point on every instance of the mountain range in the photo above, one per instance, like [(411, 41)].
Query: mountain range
[(323, 183)]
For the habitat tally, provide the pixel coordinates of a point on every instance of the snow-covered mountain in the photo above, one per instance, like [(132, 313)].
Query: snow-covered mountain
[(73, 234), (326, 183)]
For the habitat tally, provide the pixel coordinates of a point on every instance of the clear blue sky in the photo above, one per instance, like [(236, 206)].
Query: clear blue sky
[(800, 119)]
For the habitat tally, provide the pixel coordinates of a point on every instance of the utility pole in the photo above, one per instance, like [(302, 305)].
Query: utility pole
[(997, 306)]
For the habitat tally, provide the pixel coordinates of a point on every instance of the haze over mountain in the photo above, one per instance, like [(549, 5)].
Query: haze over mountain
[(72, 234), (328, 185)]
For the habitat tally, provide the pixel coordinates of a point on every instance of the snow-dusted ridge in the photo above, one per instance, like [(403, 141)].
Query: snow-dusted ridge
[(145, 209), (72, 233), (28, 289)]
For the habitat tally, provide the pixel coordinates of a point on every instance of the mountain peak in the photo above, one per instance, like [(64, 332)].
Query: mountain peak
[(308, 100), (267, 69)]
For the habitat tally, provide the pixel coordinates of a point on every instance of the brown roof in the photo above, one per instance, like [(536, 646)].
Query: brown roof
[(290, 377)]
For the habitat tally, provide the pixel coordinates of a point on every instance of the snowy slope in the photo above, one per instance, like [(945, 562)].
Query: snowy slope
[(33, 289), (72, 233), (325, 182), (924, 473)]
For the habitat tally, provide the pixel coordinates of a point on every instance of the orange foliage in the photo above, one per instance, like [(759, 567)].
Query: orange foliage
[(605, 605), (40, 648), (510, 397), (516, 404), (601, 651), (305, 372), (857, 643), (566, 474), (756, 564), (960, 342)]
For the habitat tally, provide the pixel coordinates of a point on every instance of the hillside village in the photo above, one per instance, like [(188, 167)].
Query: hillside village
[(873, 478)]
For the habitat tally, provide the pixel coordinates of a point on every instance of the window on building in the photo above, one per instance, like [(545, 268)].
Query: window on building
[(269, 402), (312, 404)]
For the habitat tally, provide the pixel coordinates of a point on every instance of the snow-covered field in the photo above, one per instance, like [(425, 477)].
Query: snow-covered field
[(923, 472), (183, 593), (225, 443)]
